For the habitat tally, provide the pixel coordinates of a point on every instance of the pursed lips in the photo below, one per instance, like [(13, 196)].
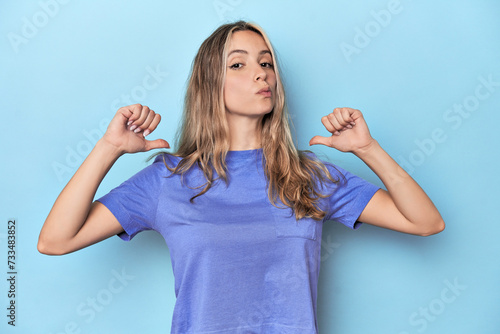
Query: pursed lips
[(265, 91)]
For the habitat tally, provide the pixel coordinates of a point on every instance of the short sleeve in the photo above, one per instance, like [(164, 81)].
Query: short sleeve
[(135, 201), (348, 197)]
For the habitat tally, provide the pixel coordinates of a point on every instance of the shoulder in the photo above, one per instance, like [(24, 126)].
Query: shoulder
[(166, 159), (157, 170), (165, 164)]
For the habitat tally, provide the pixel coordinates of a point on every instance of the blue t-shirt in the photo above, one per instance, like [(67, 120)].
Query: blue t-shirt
[(241, 265)]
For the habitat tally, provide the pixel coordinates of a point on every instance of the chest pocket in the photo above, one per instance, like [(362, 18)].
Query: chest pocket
[(288, 227)]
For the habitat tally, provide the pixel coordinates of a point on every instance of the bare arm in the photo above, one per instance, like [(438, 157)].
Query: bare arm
[(404, 207), (74, 221)]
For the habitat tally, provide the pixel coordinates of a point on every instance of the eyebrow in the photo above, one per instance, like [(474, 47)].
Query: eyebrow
[(245, 52)]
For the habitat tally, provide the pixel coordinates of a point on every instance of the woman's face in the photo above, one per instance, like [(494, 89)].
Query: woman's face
[(250, 69)]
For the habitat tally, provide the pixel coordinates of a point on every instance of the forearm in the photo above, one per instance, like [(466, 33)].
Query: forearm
[(407, 195), (71, 208)]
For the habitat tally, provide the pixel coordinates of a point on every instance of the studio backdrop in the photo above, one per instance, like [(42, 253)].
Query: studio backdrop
[(425, 74)]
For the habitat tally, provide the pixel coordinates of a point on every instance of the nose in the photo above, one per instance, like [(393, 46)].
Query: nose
[(260, 74)]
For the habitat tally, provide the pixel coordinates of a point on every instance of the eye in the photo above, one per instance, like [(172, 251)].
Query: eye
[(234, 66), (269, 65)]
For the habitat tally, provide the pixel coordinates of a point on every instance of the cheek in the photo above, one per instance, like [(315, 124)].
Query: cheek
[(274, 79), (228, 92), (274, 83), (232, 88)]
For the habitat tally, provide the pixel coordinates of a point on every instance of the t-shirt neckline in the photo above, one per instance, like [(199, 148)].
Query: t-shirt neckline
[(244, 154)]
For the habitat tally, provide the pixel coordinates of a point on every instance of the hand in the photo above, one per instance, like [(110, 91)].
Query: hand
[(129, 127), (349, 131)]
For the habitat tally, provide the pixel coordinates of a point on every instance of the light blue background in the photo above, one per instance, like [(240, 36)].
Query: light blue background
[(70, 74)]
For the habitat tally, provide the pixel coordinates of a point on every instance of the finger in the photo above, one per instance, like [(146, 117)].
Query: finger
[(137, 112), (131, 112), (320, 140), (335, 123), (158, 143), (355, 114), (144, 114), (149, 118), (343, 116), (153, 125), (348, 113), (125, 112), (328, 125)]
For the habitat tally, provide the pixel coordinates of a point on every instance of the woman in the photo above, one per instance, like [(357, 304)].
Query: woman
[(240, 208)]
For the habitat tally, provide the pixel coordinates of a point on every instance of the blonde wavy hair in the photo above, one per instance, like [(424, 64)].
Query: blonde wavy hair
[(293, 176)]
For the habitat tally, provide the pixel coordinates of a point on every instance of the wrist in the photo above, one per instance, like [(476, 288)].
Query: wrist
[(367, 150), (108, 149)]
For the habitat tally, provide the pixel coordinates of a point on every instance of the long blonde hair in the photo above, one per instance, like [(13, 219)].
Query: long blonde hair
[(293, 176)]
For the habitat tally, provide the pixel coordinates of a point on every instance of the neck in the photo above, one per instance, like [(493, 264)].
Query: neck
[(244, 133)]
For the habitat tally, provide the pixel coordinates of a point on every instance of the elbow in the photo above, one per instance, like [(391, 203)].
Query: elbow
[(43, 248), (435, 229)]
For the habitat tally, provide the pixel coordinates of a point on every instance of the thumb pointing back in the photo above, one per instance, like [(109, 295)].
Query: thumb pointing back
[(157, 143), (320, 140)]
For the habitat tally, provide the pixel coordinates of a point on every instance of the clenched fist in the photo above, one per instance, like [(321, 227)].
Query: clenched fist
[(348, 128), (129, 127)]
